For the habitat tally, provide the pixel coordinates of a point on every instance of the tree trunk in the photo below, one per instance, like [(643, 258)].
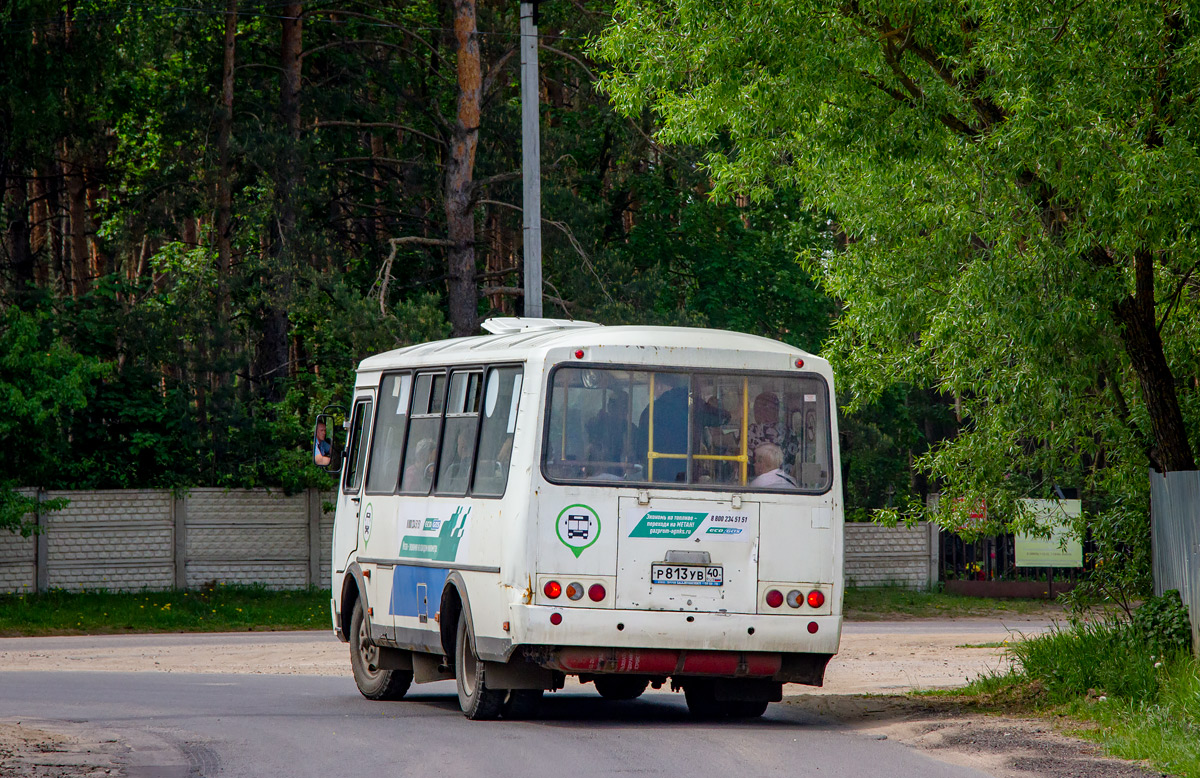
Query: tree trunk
[(1139, 333), (460, 172), (13, 189), (80, 264), (224, 220), (272, 366)]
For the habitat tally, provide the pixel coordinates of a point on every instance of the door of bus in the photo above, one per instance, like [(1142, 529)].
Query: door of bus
[(349, 515)]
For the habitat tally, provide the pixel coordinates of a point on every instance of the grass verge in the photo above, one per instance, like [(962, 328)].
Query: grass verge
[(214, 608), (1112, 688), (893, 602)]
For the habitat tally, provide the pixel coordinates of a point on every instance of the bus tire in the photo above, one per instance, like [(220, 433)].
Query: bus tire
[(373, 682), (621, 687), (701, 696), (478, 702)]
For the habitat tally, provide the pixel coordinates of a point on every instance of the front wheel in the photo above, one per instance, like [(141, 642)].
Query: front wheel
[(373, 682), (478, 702)]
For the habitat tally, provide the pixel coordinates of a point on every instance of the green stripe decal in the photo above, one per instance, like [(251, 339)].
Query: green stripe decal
[(664, 524)]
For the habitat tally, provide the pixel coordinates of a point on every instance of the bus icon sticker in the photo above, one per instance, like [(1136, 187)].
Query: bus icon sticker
[(578, 527)]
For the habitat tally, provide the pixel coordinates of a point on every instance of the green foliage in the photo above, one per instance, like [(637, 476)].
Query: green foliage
[(992, 171), (1162, 624), (211, 608), (1107, 657)]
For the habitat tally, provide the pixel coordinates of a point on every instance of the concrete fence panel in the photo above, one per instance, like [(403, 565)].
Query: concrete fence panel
[(891, 556), (152, 539), (251, 536), (119, 539)]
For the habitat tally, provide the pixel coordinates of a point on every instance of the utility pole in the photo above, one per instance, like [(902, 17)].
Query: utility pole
[(531, 159)]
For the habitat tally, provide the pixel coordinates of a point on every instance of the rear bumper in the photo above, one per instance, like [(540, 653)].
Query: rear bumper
[(678, 630), (678, 664)]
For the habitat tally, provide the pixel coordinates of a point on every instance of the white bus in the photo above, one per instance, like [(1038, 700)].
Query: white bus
[(633, 506)]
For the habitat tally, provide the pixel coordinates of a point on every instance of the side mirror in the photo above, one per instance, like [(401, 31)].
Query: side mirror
[(329, 439)]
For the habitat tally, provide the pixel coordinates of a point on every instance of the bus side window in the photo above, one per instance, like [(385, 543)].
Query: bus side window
[(358, 446), (387, 445), (420, 450), (501, 396), (458, 442)]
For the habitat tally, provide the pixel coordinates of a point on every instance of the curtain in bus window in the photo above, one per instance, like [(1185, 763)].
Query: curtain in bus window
[(501, 394), (387, 445)]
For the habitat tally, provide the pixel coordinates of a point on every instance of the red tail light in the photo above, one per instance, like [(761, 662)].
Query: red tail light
[(816, 598), (596, 592), (774, 598), (556, 619), (812, 627), (552, 589)]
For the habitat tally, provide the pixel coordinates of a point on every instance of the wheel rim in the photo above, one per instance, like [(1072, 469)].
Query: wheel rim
[(468, 664), (369, 654)]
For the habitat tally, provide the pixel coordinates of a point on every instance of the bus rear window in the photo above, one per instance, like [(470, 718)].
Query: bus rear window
[(698, 429)]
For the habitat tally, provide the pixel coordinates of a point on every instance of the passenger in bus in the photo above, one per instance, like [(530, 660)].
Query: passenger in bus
[(460, 462), (768, 468), (671, 424), (419, 473), (767, 427), (606, 435)]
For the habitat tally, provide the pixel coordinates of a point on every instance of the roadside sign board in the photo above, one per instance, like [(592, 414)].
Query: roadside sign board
[(1062, 548)]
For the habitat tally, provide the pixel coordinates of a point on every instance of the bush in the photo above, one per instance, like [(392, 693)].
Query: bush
[(1162, 623)]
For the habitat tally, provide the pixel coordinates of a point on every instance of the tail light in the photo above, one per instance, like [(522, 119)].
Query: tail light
[(596, 592), (795, 598), (575, 591), (774, 598), (816, 598), (552, 589), (812, 627)]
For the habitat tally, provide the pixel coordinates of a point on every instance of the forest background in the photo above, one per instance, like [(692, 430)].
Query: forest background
[(211, 213)]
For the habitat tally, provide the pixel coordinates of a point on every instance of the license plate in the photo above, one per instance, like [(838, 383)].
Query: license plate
[(697, 575)]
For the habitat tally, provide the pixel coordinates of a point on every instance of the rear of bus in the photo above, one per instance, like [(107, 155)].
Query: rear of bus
[(689, 518)]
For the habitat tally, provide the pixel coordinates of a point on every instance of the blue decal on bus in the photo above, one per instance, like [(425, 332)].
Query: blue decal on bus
[(410, 597)]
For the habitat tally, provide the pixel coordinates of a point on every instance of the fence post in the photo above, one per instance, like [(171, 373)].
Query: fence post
[(935, 553), (179, 514), (314, 536), (41, 563)]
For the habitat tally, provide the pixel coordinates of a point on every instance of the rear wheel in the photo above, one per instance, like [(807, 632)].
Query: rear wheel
[(621, 687), (477, 701), (701, 699), (702, 702), (373, 682)]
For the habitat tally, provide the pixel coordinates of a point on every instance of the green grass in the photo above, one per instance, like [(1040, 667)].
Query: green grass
[(894, 602), (216, 608), (1104, 677)]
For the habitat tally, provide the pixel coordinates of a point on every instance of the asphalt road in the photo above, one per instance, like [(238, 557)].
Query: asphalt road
[(226, 726)]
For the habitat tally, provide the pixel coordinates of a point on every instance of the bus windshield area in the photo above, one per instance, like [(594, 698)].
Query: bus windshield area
[(699, 429)]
